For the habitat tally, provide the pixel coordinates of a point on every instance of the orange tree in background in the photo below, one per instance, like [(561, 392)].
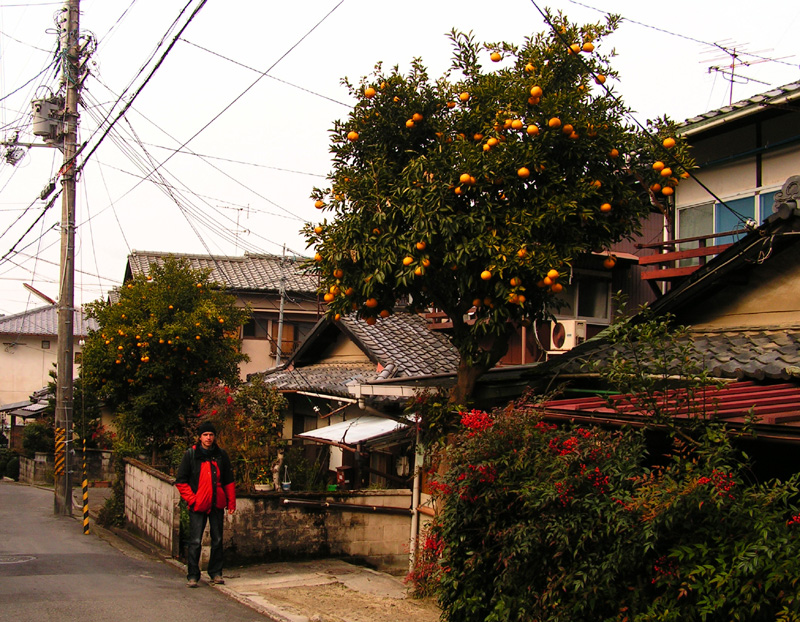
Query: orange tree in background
[(480, 189), (168, 333)]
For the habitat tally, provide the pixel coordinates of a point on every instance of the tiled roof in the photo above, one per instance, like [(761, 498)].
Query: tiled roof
[(405, 341), (402, 344), (249, 272), (766, 353), (325, 378), (44, 322), (751, 104)]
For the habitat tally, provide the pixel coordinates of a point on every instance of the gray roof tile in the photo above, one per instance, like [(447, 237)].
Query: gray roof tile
[(43, 321), (404, 339), (249, 272), (325, 378), (731, 353)]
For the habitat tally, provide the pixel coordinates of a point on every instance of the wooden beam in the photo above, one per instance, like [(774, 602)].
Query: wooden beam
[(685, 254)]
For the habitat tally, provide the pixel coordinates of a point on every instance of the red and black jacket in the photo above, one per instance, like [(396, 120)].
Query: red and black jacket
[(205, 479)]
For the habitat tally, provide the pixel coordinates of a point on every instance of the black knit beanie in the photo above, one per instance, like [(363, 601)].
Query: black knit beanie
[(206, 426)]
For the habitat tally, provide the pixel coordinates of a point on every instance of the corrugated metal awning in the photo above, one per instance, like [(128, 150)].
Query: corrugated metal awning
[(774, 405), (354, 431)]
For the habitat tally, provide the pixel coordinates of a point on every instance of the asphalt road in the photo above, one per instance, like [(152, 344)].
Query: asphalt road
[(51, 571)]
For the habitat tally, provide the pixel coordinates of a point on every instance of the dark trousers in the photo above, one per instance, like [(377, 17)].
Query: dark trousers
[(197, 524)]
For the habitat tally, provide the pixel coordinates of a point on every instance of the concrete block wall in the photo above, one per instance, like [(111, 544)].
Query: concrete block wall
[(151, 505), (265, 529), (38, 470)]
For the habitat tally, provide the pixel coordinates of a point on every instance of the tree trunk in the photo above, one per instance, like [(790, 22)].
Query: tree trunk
[(468, 375)]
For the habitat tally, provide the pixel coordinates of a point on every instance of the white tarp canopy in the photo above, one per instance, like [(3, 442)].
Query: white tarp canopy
[(354, 431)]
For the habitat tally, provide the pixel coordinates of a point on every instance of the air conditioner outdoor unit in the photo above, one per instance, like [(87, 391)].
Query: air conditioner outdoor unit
[(566, 334)]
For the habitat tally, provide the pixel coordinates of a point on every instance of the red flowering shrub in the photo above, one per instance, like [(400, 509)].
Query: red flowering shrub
[(550, 524)]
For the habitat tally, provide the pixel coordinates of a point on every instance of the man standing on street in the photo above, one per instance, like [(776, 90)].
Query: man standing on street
[(205, 481)]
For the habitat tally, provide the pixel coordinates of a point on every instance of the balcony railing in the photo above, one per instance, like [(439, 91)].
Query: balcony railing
[(666, 260)]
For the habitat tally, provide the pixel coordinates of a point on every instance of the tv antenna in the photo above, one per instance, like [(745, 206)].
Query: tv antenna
[(738, 58)]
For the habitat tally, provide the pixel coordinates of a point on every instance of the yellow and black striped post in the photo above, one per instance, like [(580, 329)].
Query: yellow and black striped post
[(61, 454), (85, 492)]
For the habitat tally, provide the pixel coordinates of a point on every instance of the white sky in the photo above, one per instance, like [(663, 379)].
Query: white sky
[(271, 146)]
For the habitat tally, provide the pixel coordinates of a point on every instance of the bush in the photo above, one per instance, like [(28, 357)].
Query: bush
[(556, 524), (39, 437), (5, 456), (12, 468)]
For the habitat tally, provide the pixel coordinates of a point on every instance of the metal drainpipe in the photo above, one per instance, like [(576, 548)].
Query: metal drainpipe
[(415, 495)]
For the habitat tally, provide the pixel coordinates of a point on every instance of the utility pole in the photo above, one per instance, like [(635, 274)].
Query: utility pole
[(279, 348), (69, 32)]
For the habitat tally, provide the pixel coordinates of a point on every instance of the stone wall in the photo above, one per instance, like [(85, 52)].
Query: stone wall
[(151, 505), (371, 526)]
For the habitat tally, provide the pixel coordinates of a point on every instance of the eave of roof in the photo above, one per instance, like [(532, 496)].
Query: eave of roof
[(740, 109)]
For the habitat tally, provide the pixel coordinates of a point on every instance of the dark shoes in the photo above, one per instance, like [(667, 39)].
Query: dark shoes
[(191, 583), (218, 580)]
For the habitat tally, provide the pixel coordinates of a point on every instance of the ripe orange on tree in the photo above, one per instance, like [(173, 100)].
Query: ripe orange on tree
[(338, 273), (410, 123), (523, 173), (609, 262), (318, 229), (666, 172), (536, 91), (600, 78), (556, 287), (605, 207), (369, 92), (408, 260), (352, 136), (613, 153), (667, 191), (416, 117), (668, 143), (553, 273), (529, 68), (464, 96), (371, 303), (421, 245), (486, 275), (532, 129), (658, 165), (370, 321), (588, 47), (496, 57), (516, 124), (555, 122)]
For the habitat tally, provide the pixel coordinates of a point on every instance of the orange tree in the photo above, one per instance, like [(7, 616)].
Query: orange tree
[(169, 332), (478, 190)]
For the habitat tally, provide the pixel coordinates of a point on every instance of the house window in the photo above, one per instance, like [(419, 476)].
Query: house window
[(45, 345), (587, 297), (709, 218), (255, 327), (287, 339)]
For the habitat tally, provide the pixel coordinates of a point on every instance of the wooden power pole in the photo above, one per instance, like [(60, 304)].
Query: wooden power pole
[(69, 32)]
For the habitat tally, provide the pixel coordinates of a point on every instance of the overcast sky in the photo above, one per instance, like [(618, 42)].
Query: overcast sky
[(252, 147)]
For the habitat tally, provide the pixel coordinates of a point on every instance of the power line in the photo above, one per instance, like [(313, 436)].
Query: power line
[(682, 36), (236, 62)]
